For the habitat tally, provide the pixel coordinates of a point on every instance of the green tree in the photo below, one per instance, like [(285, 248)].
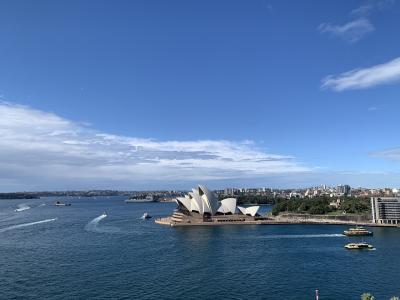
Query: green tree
[(367, 296)]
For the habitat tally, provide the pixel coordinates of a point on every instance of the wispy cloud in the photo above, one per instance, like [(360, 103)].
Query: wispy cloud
[(364, 10), (37, 146), (392, 154), (388, 72), (369, 6), (351, 31), (359, 24)]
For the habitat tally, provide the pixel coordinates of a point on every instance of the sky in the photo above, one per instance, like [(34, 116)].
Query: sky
[(167, 94)]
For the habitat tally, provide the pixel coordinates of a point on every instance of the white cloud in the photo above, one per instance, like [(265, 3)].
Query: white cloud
[(360, 25), (364, 78), (368, 7), (392, 154), (351, 31), (364, 10), (38, 147)]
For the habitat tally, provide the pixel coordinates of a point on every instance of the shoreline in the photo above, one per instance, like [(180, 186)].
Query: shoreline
[(168, 221)]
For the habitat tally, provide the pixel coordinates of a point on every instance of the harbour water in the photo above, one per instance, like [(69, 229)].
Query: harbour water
[(49, 252)]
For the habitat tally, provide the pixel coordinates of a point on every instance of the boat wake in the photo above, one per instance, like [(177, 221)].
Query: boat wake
[(94, 226), (8, 217), (26, 225), (303, 236), (22, 207)]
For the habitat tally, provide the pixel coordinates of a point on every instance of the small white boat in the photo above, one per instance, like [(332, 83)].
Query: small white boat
[(22, 208), (59, 203), (146, 216), (104, 214)]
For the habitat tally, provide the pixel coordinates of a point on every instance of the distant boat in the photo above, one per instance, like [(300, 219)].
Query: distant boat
[(104, 214), (140, 199), (358, 231), (146, 216), (359, 246), (59, 203), (21, 208)]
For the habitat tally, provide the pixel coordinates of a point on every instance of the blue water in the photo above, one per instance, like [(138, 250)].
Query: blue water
[(66, 256)]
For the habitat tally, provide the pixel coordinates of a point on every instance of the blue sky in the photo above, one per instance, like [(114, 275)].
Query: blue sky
[(165, 94)]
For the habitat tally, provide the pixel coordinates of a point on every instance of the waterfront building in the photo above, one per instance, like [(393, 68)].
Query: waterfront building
[(385, 210), (204, 202), (201, 207)]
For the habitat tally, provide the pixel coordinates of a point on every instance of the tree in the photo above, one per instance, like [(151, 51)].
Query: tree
[(367, 296)]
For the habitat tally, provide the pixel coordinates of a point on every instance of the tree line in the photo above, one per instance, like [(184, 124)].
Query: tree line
[(320, 205)]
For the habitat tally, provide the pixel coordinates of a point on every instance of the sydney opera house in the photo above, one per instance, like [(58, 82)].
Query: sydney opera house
[(202, 207)]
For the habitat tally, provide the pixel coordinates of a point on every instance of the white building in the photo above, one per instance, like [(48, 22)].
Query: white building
[(204, 202), (385, 210)]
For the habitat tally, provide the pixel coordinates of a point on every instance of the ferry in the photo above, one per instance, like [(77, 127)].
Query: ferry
[(140, 199), (359, 246), (358, 231)]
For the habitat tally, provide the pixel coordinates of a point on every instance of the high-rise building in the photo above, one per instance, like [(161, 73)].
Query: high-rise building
[(385, 210), (343, 189)]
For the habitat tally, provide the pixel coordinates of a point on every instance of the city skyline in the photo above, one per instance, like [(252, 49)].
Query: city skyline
[(274, 93)]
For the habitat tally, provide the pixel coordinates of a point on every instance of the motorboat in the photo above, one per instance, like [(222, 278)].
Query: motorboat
[(21, 208), (59, 203), (146, 216)]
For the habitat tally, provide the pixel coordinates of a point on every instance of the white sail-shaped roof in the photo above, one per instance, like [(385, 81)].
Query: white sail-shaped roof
[(202, 200), (186, 202), (242, 209), (197, 203), (252, 210), (228, 205), (209, 198)]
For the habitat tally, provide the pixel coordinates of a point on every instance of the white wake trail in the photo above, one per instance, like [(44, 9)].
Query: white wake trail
[(93, 225), (26, 225), (302, 236)]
